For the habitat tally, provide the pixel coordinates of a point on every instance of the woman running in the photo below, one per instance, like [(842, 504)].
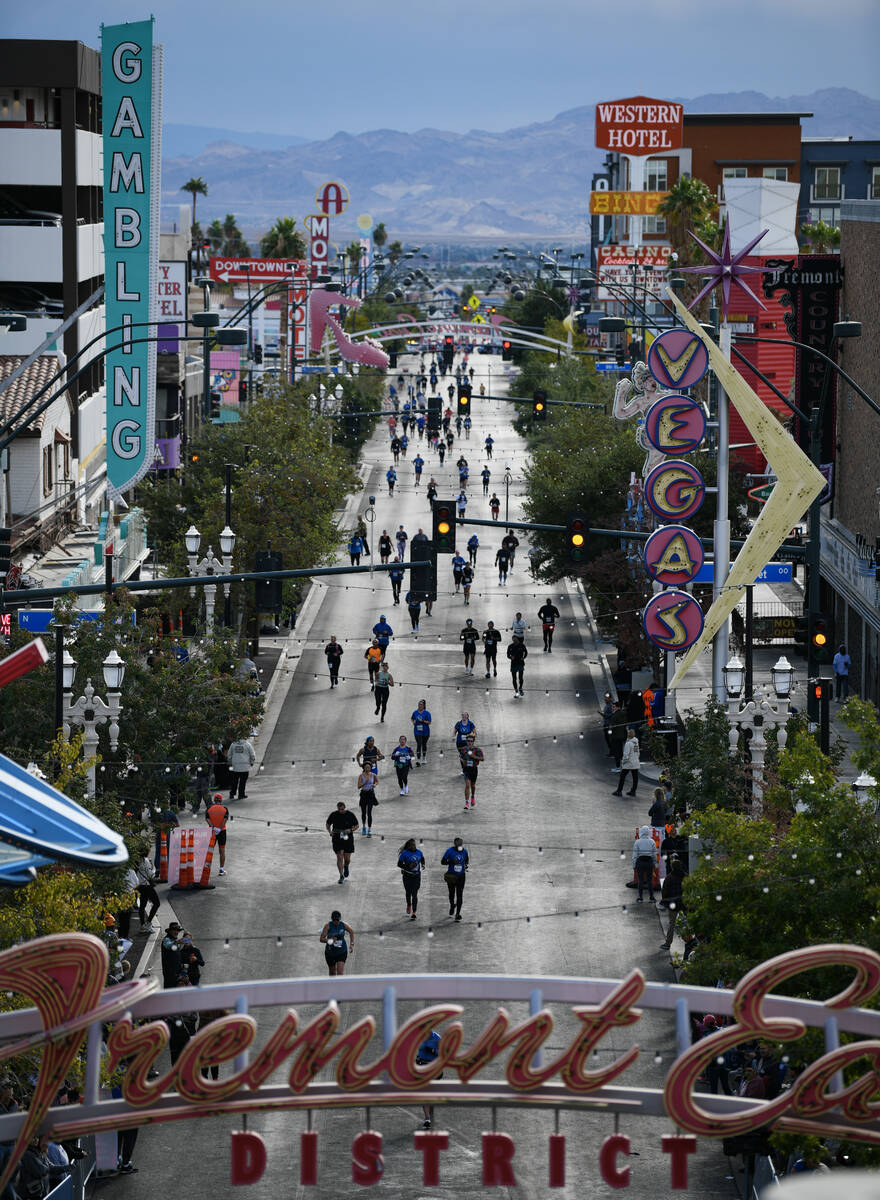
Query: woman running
[(402, 757), (421, 723), (370, 755), (335, 948), (384, 684), (366, 786), (411, 861)]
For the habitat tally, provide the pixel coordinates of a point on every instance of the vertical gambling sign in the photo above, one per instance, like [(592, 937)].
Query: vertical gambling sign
[(131, 87)]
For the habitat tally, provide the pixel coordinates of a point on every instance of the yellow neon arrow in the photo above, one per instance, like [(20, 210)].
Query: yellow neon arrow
[(798, 484)]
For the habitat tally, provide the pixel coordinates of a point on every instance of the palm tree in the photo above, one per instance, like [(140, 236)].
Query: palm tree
[(197, 187), (820, 237), (234, 245), (689, 204), (380, 235), (283, 240)]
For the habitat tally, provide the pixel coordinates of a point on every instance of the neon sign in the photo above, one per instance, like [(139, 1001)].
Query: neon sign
[(64, 976)]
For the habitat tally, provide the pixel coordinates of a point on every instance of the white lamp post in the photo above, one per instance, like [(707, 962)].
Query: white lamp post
[(863, 785), (758, 715), (90, 711), (209, 565)]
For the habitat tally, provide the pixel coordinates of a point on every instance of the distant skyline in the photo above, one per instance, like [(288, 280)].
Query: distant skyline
[(315, 70)]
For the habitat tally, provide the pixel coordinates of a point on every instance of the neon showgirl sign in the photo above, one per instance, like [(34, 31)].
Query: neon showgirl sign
[(64, 976)]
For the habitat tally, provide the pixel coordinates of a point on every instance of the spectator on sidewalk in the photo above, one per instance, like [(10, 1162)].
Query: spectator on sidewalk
[(241, 759), (841, 673), (171, 955), (644, 855), (630, 762), (191, 960), (671, 897), (617, 733)]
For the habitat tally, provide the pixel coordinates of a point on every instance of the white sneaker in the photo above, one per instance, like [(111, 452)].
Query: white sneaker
[(403, 791), (406, 790), (222, 871)]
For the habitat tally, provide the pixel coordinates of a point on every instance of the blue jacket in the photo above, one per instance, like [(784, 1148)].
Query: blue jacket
[(383, 631)]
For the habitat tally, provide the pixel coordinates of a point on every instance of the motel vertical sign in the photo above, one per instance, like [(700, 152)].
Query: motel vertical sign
[(131, 83)]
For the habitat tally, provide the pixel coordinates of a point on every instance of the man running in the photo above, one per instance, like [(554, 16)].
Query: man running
[(402, 538), (473, 546), (432, 491), (467, 427), (395, 448), (489, 443), (333, 653), (471, 758), (421, 723), (341, 825), (462, 504), (495, 506), (396, 576), (418, 465), (414, 608), (549, 615), (470, 635), (373, 655), (457, 568), (502, 562), (491, 638), (383, 633), (402, 757), (511, 541), (517, 654), (467, 578), (391, 476), (485, 475)]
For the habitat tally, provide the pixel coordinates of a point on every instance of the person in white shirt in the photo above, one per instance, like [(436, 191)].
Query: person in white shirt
[(518, 628), (644, 859), (629, 762)]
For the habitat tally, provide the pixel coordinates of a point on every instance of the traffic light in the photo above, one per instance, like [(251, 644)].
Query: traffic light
[(539, 405), (258, 353), (242, 391), (821, 689), (435, 413), (5, 553), (505, 351), (448, 350), (464, 399), (801, 635), (194, 457), (267, 592), (619, 355), (577, 535), (443, 518), (215, 406), (820, 639), (423, 580)]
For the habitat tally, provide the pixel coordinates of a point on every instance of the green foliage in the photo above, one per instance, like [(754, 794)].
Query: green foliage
[(688, 205), (227, 239), (283, 240), (196, 186), (380, 235), (819, 237)]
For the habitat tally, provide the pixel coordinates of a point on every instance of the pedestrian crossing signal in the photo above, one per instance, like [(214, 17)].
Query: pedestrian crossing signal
[(443, 516), (577, 532)]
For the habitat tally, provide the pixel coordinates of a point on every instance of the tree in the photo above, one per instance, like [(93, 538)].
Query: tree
[(283, 240), (196, 187), (380, 235), (688, 204), (395, 251), (820, 238)]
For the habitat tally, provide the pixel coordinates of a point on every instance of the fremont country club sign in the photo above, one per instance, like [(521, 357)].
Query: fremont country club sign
[(131, 84), (333, 1062)]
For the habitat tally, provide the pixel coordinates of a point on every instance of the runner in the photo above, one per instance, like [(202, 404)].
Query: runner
[(404, 445), (491, 638), (414, 607), (384, 684), (495, 506), (369, 755), (421, 723), (518, 627), (366, 786), (441, 451), (511, 541), (457, 568), (418, 464), (463, 473), (470, 635), (333, 653), (384, 547), (473, 546), (217, 816), (489, 443), (467, 427), (373, 655), (333, 937), (458, 426), (391, 476), (402, 538), (517, 654), (402, 757), (462, 729), (467, 578), (450, 439), (341, 825), (411, 861), (502, 562), (470, 763), (447, 412), (395, 576), (355, 549), (383, 633), (462, 504), (485, 475), (432, 492), (456, 861), (427, 1054), (395, 448), (549, 615)]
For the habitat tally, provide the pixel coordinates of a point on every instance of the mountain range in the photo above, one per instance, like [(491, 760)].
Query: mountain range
[(529, 181)]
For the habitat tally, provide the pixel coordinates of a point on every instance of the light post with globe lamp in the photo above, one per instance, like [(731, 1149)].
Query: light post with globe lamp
[(90, 711), (209, 565), (757, 714)]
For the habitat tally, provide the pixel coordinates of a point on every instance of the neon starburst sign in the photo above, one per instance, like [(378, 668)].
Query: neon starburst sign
[(725, 269)]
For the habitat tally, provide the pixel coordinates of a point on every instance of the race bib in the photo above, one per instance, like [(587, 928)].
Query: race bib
[(457, 868)]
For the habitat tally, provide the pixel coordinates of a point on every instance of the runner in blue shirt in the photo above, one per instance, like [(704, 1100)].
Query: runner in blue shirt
[(456, 861), (489, 443), (457, 568), (391, 476), (355, 550), (402, 757), (383, 633), (411, 861), (404, 442), (414, 605), (462, 503), (462, 729), (418, 464), (467, 427), (396, 576), (402, 537), (485, 475), (420, 425), (421, 723), (472, 548)]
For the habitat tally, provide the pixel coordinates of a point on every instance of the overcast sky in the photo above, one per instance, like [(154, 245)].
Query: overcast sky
[(308, 68)]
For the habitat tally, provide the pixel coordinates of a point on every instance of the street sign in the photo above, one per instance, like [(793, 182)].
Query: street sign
[(613, 366), (258, 270), (775, 572), (762, 493), (38, 620)]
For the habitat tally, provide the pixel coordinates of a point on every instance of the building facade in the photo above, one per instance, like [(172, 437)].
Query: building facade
[(833, 170)]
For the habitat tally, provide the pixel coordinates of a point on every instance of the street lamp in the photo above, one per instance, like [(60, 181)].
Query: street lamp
[(756, 715), (862, 785), (209, 565), (90, 711), (508, 479)]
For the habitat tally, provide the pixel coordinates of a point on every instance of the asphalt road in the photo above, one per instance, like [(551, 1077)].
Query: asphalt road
[(545, 784)]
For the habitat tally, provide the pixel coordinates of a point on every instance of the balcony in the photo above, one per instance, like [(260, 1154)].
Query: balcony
[(32, 253), (827, 193)]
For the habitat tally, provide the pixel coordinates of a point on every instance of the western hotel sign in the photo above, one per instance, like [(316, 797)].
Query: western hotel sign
[(131, 76), (639, 126)]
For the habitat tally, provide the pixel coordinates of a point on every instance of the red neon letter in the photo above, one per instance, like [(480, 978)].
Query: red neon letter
[(308, 1158), (678, 1146), (430, 1145), (367, 1163), (498, 1151), (616, 1143), (248, 1157), (557, 1160)]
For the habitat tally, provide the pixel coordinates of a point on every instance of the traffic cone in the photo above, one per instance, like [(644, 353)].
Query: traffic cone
[(163, 857), (190, 857), (205, 880)]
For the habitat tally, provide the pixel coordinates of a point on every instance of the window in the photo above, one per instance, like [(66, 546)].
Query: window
[(780, 173), (656, 175), (874, 193), (831, 216), (826, 183), (735, 172), (653, 225), (47, 470)]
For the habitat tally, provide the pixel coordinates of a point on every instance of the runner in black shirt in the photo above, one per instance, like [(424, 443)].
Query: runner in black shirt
[(342, 825), (491, 638), (510, 543), (470, 635), (385, 546), (549, 615), (502, 562), (517, 654), (334, 653)]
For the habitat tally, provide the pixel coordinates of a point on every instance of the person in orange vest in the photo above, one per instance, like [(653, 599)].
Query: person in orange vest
[(648, 700), (217, 816)]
